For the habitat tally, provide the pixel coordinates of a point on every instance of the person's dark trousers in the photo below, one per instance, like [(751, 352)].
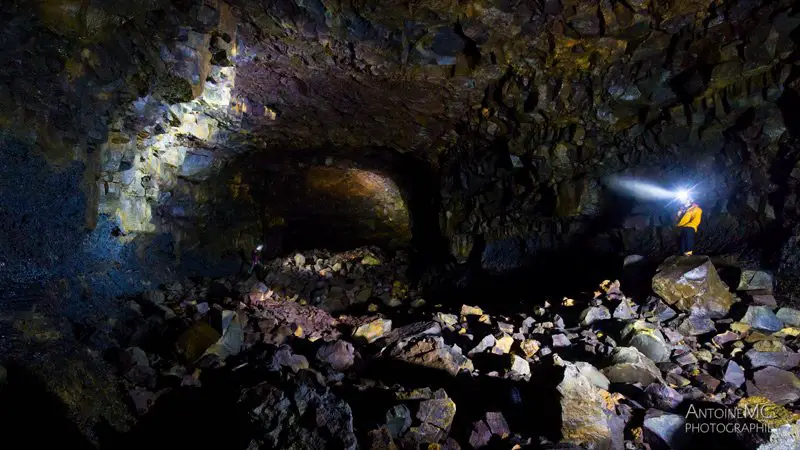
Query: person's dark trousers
[(686, 240)]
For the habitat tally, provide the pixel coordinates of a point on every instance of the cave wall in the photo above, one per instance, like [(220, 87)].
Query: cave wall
[(517, 111)]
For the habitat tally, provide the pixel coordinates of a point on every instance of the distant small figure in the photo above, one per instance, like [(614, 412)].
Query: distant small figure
[(689, 217), (256, 258)]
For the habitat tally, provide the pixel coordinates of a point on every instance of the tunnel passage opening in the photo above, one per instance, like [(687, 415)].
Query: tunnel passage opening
[(335, 199), (336, 207)]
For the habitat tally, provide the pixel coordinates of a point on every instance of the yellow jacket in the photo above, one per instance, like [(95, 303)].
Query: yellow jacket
[(691, 217)]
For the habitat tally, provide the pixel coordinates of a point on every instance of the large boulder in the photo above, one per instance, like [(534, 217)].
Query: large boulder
[(692, 283), (583, 412), (629, 365)]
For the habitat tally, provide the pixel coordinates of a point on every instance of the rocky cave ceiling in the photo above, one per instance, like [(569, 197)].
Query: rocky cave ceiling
[(508, 114)]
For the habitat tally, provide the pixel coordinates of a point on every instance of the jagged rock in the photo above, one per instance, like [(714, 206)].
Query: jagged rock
[(765, 300), (447, 320), (628, 365), (769, 345), (560, 341), (410, 331), (506, 327), (789, 316), (398, 420), (303, 415), (595, 376), (688, 282), (781, 360), (762, 318), (340, 354), (777, 385), (696, 324), (503, 345), (467, 310), (662, 428), (708, 383), (659, 310), (734, 374), (438, 413), (486, 343), (594, 314), (520, 367), (583, 411), (663, 397), (284, 357), (755, 280), (373, 330), (431, 351), (481, 434), (196, 340), (497, 424), (624, 311), (784, 437), (686, 359), (530, 346), (648, 340), (724, 338), (232, 339)]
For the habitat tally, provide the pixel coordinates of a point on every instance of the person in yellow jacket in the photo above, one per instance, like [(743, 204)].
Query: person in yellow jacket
[(689, 217)]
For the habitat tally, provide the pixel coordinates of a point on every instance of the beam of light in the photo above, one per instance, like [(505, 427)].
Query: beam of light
[(640, 189)]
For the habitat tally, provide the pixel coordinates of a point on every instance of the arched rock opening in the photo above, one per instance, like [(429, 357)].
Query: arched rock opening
[(317, 198)]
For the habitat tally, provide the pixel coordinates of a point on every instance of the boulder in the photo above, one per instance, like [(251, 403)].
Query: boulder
[(624, 311), (486, 343), (432, 352), (647, 339), (438, 412), (789, 316), (734, 374), (696, 324), (594, 314), (661, 428), (519, 367), (398, 420), (756, 280), (629, 365), (688, 282), (373, 330), (196, 340), (762, 318), (340, 355), (583, 411), (781, 360), (595, 376), (661, 396), (777, 385)]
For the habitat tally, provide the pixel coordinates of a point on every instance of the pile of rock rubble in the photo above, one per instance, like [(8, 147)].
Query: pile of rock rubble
[(340, 352)]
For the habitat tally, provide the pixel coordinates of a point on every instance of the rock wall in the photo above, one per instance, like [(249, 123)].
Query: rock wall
[(517, 111)]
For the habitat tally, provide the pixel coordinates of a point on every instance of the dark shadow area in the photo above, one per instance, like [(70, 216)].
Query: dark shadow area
[(326, 198), (33, 415)]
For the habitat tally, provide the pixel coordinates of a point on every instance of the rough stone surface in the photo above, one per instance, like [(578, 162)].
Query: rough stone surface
[(583, 417), (628, 365), (664, 428), (688, 282), (777, 385), (340, 354), (762, 318)]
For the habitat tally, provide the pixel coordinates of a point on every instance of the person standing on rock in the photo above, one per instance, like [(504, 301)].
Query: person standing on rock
[(256, 258), (689, 217)]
